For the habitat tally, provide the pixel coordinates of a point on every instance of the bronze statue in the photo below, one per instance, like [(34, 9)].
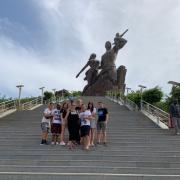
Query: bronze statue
[(92, 73), (109, 57), (108, 78)]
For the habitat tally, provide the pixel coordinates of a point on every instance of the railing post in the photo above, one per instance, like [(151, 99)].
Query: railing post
[(15, 104), (148, 107), (4, 106)]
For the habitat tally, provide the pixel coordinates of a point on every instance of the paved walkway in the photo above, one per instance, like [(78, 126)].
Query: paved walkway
[(137, 149)]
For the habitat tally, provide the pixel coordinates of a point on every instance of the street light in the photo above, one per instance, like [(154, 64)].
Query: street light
[(54, 90), (42, 94), (19, 98), (141, 90), (62, 93), (174, 83), (127, 90)]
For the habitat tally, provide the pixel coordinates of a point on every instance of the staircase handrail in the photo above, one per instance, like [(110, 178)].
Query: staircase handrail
[(123, 101), (131, 105), (31, 104), (155, 111), (7, 105)]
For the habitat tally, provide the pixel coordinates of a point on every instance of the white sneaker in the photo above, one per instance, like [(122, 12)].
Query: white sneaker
[(53, 143), (62, 143), (57, 143)]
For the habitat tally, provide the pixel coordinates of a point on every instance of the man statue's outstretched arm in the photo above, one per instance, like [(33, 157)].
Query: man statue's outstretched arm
[(87, 64)]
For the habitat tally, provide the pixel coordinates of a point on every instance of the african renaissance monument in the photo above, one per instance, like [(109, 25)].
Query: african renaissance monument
[(104, 76)]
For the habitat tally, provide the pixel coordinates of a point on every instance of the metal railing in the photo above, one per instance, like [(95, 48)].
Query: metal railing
[(122, 100), (14, 104), (7, 105), (159, 114), (30, 104), (55, 100), (131, 105)]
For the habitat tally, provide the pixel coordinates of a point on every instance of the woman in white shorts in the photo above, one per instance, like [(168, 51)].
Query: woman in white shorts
[(64, 110), (85, 117), (92, 122)]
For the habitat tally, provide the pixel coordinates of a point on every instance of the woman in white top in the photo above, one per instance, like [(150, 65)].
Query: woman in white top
[(85, 117), (93, 122)]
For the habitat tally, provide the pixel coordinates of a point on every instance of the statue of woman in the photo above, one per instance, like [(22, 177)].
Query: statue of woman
[(92, 73)]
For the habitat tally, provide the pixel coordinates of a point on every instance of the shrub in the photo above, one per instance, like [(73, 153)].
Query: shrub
[(153, 95)]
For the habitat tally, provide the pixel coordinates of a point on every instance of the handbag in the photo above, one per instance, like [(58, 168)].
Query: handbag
[(171, 122)]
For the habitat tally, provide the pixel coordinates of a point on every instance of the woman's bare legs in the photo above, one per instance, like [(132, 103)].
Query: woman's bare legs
[(62, 134), (92, 135)]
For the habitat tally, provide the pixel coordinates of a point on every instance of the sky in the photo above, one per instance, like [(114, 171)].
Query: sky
[(47, 42)]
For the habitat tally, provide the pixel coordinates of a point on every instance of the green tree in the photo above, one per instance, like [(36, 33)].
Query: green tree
[(76, 93), (135, 97), (27, 99), (48, 95), (164, 105), (175, 93), (153, 95)]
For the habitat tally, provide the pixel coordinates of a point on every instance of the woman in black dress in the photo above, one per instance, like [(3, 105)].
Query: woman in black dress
[(73, 125)]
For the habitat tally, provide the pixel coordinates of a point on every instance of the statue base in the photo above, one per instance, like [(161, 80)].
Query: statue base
[(99, 88), (104, 84)]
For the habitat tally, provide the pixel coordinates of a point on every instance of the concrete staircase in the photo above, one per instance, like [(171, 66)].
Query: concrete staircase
[(137, 150)]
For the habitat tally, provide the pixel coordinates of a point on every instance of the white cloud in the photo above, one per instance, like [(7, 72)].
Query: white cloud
[(76, 28), (23, 66), (52, 5)]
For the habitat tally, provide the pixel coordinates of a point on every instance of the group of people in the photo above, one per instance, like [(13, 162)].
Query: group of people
[(80, 121)]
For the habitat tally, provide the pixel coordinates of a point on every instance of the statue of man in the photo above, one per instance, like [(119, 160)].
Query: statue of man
[(108, 67), (92, 73)]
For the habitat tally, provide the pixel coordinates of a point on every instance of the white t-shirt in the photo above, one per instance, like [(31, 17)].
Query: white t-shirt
[(84, 120), (56, 116), (48, 112)]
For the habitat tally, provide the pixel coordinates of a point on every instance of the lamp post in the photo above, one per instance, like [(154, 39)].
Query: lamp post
[(141, 90), (62, 93), (174, 83), (19, 98), (127, 90), (54, 90), (42, 94)]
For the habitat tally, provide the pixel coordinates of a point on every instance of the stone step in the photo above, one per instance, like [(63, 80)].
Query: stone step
[(93, 157), (100, 163), (82, 176), (121, 132), (65, 152), (110, 148), (111, 139), (137, 149), (90, 169), (113, 143)]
